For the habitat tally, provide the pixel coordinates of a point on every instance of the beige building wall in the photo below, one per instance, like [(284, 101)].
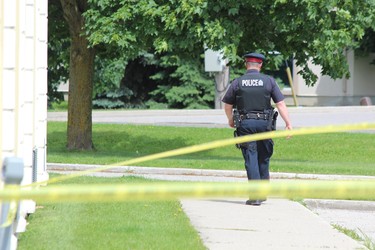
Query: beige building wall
[(23, 88), (339, 92)]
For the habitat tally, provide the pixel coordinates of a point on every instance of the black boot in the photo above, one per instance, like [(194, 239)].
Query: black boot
[(253, 202)]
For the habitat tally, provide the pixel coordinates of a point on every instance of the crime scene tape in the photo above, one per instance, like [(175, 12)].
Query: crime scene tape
[(216, 144), (356, 190), (11, 208)]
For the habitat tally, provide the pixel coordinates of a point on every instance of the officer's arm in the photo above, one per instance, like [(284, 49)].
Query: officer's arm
[(281, 107), (229, 113)]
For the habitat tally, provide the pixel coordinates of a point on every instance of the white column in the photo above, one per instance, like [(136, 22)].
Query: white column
[(40, 80), (8, 95), (23, 87)]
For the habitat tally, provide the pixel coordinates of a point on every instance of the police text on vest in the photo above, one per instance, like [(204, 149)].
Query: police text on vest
[(252, 83)]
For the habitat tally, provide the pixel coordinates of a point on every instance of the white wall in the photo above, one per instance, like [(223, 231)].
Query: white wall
[(329, 92), (23, 86)]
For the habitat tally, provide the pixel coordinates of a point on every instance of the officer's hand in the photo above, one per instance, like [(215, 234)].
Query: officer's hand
[(288, 127), (231, 123)]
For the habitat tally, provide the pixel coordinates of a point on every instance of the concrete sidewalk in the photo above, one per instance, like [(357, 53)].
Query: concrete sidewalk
[(227, 223), (276, 224)]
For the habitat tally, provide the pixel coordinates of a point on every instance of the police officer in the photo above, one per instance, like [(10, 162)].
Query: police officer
[(251, 95)]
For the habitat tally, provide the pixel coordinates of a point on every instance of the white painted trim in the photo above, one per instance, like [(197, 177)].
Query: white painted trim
[(1, 77), (17, 83)]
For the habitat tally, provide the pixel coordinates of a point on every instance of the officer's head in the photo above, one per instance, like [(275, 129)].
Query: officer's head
[(254, 60)]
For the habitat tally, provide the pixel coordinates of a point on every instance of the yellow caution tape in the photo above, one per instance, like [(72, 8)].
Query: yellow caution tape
[(217, 144), (358, 190), (13, 206)]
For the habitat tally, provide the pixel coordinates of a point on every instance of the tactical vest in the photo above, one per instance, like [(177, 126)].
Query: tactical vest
[(252, 94)]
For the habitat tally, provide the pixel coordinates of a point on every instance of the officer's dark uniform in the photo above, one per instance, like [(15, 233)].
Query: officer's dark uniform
[(251, 94)]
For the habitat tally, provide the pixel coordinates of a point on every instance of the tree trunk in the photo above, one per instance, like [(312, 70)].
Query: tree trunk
[(81, 71)]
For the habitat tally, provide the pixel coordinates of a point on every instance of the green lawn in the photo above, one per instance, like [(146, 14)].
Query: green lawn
[(113, 225), (337, 153)]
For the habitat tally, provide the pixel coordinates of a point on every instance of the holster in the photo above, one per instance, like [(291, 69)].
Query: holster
[(236, 118), (237, 122), (272, 120)]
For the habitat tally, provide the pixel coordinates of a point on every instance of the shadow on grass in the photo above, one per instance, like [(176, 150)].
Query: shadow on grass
[(123, 145), (120, 142)]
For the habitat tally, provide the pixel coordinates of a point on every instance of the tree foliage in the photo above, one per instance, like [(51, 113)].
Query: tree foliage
[(124, 31), (58, 50), (367, 44), (182, 84), (314, 30)]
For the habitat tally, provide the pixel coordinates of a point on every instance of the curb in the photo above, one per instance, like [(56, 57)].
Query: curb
[(198, 172), (364, 206)]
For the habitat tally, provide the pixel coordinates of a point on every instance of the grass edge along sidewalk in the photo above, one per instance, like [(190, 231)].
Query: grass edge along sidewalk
[(185, 173)]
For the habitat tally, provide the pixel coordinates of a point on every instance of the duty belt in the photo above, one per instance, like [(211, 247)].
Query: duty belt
[(257, 116)]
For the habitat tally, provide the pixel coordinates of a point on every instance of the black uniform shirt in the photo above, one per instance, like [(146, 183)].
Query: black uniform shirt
[(230, 95)]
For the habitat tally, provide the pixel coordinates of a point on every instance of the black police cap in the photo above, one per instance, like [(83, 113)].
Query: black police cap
[(255, 55)]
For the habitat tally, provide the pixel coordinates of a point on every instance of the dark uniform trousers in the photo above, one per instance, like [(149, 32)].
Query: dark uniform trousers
[(256, 154)]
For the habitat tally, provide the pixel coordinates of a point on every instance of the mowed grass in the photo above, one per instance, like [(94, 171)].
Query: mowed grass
[(335, 153), (109, 225)]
